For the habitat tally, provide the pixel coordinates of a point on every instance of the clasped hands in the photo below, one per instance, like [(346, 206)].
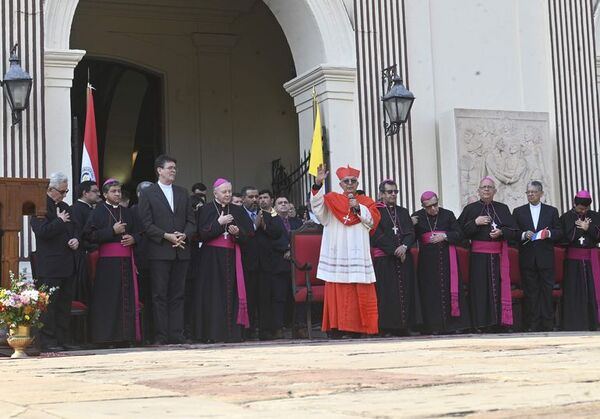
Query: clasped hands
[(176, 238)]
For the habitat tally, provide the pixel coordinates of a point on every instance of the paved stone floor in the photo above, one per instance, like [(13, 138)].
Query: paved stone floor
[(545, 374)]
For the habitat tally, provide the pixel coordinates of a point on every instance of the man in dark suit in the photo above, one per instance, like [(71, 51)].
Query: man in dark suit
[(168, 221), (57, 240), (88, 195), (540, 229), (257, 257), (282, 266)]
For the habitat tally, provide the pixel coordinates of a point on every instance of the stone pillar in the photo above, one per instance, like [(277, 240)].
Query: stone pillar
[(58, 72), (336, 91)]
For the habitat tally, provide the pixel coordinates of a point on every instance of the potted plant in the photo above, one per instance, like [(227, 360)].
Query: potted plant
[(21, 306)]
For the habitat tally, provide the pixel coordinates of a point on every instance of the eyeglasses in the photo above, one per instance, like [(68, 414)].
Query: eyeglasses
[(392, 191), (487, 187), (66, 191), (532, 192), (350, 181), (430, 206), (169, 168)]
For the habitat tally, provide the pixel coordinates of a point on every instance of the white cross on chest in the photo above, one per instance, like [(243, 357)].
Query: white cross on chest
[(225, 235), (581, 240), (395, 230), (494, 225), (346, 218)]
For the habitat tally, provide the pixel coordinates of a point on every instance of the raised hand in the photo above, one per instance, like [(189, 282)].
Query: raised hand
[(321, 174)]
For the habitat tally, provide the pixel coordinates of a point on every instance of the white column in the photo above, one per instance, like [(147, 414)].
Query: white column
[(58, 72), (335, 87)]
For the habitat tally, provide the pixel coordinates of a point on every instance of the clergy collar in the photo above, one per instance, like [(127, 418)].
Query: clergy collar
[(108, 204), (539, 204), (89, 205), (162, 185)]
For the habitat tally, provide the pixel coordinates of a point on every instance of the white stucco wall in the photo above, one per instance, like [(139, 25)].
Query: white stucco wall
[(474, 54)]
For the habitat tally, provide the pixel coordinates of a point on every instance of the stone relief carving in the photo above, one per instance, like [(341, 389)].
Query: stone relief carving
[(511, 147)]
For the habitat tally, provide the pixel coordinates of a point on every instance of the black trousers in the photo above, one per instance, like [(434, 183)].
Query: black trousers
[(168, 288), (281, 289), (538, 284), (252, 281), (145, 295), (57, 317)]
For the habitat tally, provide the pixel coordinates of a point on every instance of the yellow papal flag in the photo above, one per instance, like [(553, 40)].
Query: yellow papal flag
[(316, 150)]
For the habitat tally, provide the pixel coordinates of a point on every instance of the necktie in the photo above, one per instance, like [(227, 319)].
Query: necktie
[(286, 223), (253, 216)]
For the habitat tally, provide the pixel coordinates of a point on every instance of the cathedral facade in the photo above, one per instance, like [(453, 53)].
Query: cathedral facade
[(504, 88)]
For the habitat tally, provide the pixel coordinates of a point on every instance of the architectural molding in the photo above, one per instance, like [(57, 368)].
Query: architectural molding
[(58, 20), (330, 82), (317, 32), (169, 11), (59, 66)]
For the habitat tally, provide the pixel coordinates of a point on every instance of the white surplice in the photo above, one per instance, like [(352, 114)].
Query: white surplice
[(345, 249)]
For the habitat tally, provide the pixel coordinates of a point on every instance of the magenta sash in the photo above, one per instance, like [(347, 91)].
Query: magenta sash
[(376, 252), (455, 308), (228, 243), (500, 248), (577, 253), (117, 250)]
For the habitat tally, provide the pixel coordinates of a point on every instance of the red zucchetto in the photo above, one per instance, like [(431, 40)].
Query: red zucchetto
[(348, 171)]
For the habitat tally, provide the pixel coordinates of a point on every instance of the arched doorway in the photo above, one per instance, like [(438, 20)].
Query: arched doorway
[(318, 34), (222, 67), (129, 118)]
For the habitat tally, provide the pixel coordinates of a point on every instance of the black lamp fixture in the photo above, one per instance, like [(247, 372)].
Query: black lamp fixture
[(17, 87), (397, 101)]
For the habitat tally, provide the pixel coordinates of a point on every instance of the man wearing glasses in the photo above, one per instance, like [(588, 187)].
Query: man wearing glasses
[(445, 309), (540, 229), (345, 261), (489, 225), (168, 221), (397, 295), (57, 240)]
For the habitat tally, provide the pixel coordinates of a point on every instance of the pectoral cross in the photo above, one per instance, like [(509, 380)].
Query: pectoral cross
[(395, 230), (494, 225), (346, 218), (581, 240), (225, 234)]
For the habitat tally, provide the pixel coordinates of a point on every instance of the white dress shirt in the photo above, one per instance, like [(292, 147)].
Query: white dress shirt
[(535, 213), (168, 191)]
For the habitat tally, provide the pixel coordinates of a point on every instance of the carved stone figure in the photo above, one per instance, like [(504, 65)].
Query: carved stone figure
[(511, 147)]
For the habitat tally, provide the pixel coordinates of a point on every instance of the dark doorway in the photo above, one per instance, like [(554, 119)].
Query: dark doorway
[(129, 119)]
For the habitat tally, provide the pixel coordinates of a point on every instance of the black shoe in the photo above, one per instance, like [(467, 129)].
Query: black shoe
[(278, 334), (53, 348), (265, 336), (70, 347), (180, 341)]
